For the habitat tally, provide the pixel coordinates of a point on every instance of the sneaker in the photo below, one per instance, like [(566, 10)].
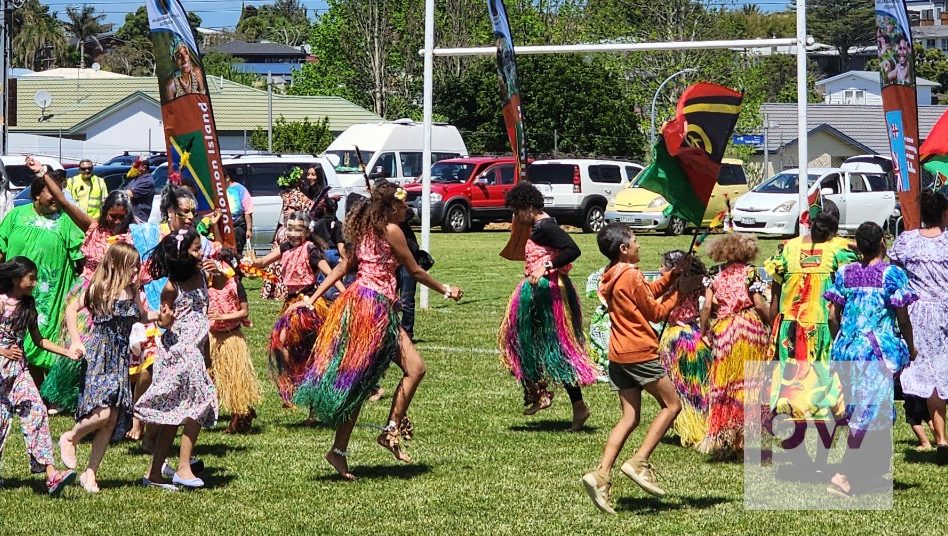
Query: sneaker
[(598, 491), (643, 474), (197, 466)]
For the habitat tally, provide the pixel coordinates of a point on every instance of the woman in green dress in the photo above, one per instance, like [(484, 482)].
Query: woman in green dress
[(41, 232)]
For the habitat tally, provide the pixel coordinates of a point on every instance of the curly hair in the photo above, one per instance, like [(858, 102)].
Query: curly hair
[(524, 195), (733, 247), (170, 197), (370, 217), (38, 184), (671, 259)]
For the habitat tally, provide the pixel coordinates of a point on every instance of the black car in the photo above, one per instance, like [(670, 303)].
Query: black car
[(154, 159), (114, 175)]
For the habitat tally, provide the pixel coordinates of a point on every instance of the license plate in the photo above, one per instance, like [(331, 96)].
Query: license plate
[(547, 200), (628, 219), (748, 221)]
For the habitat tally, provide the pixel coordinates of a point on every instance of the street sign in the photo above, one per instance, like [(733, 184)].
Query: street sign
[(747, 139)]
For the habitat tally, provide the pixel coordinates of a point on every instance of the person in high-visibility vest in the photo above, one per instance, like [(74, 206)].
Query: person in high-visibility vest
[(89, 190)]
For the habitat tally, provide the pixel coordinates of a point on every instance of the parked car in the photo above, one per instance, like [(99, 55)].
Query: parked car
[(259, 174), (644, 210), (112, 174), (466, 193), (154, 159), (771, 207), (16, 176), (577, 191)]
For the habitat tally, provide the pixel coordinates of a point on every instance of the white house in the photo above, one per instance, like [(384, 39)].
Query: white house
[(864, 87)]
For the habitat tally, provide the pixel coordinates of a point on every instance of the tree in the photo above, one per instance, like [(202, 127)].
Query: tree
[(285, 21), (136, 58), (135, 28), (84, 23), (295, 136), (37, 36), (843, 24), (331, 73)]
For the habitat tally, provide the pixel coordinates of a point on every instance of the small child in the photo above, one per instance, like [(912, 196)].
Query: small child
[(634, 365), (684, 353), (181, 392), (18, 393), (232, 368), (105, 397)]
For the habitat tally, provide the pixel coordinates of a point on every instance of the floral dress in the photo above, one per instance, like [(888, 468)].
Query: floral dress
[(599, 324), (181, 388), (293, 200)]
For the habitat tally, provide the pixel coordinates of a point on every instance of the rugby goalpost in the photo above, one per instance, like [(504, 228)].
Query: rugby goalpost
[(429, 52)]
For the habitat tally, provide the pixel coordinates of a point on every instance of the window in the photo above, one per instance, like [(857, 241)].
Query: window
[(879, 182), (386, 165), (831, 182), (731, 175), (437, 157), (944, 45), (632, 171), (411, 164), (263, 178), (930, 43), (507, 174), (857, 183), (854, 96), (606, 174), (551, 173), (237, 173)]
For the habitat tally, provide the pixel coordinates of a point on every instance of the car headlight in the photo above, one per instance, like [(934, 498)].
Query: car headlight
[(657, 202), (434, 198), (785, 207)]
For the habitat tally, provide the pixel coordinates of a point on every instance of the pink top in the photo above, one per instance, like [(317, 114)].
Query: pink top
[(225, 301), (686, 311), (731, 286), (95, 245), (538, 255), (297, 273), (377, 265)]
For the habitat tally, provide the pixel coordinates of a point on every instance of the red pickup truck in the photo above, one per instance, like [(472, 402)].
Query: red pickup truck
[(466, 193)]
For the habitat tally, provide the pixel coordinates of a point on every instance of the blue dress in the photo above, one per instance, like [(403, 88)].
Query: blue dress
[(869, 349)]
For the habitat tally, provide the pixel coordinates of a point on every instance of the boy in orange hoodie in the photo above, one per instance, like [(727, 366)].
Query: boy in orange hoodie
[(633, 361)]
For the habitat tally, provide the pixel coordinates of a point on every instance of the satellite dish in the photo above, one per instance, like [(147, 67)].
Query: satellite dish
[(96, 66), (43, 99)]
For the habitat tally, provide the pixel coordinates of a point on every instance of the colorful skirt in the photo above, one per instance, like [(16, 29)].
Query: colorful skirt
[(232, 372), (541, 337), (291, 343), (803, 384), (687, 361), (740, 343), (62, 385)]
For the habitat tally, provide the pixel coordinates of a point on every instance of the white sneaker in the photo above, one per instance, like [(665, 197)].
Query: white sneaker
[(167, 471), (643, 474)]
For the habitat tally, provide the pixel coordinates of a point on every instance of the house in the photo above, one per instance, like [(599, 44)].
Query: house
[(826, 57), (864, 87), (262, 58), (835, 132), (124, 114), (929, 20)]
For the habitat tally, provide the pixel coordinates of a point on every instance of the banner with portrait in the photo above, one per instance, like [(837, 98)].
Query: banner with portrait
[(509, 87), (900, 103), (190, 133)]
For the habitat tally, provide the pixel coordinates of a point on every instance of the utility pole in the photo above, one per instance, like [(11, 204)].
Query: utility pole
[(269, 113)]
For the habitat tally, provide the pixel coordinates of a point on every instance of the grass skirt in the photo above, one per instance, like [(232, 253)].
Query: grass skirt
[(738, 340), (295, 332), (541, 337), (62, 385), (232, 372), (687, 360), (358, 341)]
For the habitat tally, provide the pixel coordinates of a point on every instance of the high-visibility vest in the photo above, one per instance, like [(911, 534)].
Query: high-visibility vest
[(89, 197)]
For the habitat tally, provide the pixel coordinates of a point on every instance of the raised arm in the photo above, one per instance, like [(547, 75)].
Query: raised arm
[(76, 214)]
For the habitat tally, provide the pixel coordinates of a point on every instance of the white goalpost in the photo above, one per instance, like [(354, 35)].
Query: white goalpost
[(429, 52)]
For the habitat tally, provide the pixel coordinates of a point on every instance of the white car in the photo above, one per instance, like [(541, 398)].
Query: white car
[(772, 206), (577, 191), (259, 174), (16, 177)]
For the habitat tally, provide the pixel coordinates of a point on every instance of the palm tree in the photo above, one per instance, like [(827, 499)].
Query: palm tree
[(84, 23), (35, 29)]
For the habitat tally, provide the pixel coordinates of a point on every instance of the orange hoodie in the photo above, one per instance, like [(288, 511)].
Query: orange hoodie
[(632, 305)]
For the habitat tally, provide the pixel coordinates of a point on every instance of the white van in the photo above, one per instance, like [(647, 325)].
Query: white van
[(390, 150)]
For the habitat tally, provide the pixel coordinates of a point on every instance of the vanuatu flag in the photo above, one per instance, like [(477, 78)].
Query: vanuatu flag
[(687, 157), (934, 153)]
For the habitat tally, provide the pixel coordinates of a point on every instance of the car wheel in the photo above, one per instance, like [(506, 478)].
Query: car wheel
[(456, 220), (676, 226), (595, 219)]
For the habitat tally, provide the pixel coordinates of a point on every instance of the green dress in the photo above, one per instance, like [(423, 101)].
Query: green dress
[(52, 242)]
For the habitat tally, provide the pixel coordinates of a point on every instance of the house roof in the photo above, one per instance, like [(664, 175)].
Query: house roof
[(236, 107), (872, 76), (243, 48), (860, 125), (929, 32), (69, 72)]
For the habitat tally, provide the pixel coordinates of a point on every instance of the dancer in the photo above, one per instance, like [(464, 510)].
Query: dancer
[(541, 336), (297, 191), (634, 365), (684, 353), (361, 334), (739, 338), (295, 330), (873, 337), (18, 393), (232, 368), (181, 392), (111, 299)]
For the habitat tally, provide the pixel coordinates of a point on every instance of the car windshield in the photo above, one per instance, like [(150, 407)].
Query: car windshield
[(349, 160), (784, 183), (451, 172)]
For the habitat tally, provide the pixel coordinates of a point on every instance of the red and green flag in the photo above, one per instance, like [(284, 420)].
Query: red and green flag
[(686, 159), (934, 153)]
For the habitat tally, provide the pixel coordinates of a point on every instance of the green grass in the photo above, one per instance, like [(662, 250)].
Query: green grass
[(480, 466)]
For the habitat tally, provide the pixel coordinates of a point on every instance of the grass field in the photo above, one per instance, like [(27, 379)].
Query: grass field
[(480, 466)]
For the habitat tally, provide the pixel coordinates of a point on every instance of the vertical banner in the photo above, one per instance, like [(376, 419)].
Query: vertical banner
[(509, 90), (899, 102), (190, 134)]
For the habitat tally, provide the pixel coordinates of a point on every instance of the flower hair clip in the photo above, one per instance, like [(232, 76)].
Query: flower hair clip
[(401, 194), (180, 237)]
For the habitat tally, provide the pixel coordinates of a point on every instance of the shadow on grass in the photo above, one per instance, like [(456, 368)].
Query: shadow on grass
[(216, 449), (303, 425), (382, 471), (655, 505), (914, 456), (550, 425)]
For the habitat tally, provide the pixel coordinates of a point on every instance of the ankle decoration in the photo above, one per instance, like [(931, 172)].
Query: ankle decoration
[(343, 453)]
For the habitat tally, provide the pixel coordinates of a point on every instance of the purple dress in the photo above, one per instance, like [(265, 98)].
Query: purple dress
[(926, 261)]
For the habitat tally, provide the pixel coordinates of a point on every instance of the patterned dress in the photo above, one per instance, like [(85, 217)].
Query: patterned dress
[(926, 261), (293, 200), (738, 342), (181, 388), (106, 382), (869, 340)]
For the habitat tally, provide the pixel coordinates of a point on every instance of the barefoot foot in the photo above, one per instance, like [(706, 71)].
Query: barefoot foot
[(67, 451), (391, 441), (337, 459)]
